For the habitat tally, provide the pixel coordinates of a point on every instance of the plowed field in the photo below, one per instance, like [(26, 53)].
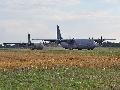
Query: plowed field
[(28, 59)]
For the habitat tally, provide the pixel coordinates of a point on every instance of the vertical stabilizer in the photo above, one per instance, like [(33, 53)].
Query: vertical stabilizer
[(59, 37), (29, 41)]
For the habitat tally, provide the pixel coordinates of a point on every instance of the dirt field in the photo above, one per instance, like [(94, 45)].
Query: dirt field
[(28, 59)]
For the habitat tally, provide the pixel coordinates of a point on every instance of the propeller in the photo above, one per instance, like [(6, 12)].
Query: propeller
[(91, 38), (99, 41), (71, 41)]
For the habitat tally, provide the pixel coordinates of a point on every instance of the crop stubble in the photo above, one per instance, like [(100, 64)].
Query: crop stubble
[(29, 59)]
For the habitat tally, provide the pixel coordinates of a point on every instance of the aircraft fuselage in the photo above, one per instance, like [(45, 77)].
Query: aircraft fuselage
[(79, 44)]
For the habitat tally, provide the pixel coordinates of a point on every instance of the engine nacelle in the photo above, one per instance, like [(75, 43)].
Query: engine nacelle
[(38, 46)]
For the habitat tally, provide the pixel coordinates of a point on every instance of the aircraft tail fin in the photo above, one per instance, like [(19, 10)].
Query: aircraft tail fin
[(59, 37), (29, 41)]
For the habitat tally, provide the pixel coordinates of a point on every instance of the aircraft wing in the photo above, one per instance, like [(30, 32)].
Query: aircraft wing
[(57, 40), (16, 43), (109, 39), (51, 40), (100, 41), (63, 40), (97, 40)]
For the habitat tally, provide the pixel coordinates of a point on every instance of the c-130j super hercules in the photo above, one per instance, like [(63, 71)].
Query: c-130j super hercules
[(29, 44), (71, 44)]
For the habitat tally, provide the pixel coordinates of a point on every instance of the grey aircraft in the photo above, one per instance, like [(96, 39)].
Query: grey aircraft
[(29, 44), (79, 44), (72, 43)]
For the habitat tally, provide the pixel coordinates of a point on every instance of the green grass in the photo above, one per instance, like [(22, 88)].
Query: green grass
[(96, 51), (61, 78)]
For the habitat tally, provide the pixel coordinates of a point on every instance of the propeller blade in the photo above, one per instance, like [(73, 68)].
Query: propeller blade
[(101, 38)]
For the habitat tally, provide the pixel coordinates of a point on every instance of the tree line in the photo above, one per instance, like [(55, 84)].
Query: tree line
[(110, 44)]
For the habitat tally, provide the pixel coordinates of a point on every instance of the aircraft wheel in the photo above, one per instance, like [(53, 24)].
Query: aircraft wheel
[(70, 48), (79, 49), (32, 48)]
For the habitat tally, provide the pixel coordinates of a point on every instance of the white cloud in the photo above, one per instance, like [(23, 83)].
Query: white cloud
[(15, 31), (35, 16), (113, 1), (73, 16), (35, 9), (31, 4)]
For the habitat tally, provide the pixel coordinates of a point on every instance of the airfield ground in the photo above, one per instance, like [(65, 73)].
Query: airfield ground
[(15, 59), (60, 69)]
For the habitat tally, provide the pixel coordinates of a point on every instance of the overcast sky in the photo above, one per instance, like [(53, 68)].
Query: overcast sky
[(77, 18)]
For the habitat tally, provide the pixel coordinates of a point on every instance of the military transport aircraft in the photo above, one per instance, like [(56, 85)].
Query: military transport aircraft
[(79, 44), (29, 44)]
